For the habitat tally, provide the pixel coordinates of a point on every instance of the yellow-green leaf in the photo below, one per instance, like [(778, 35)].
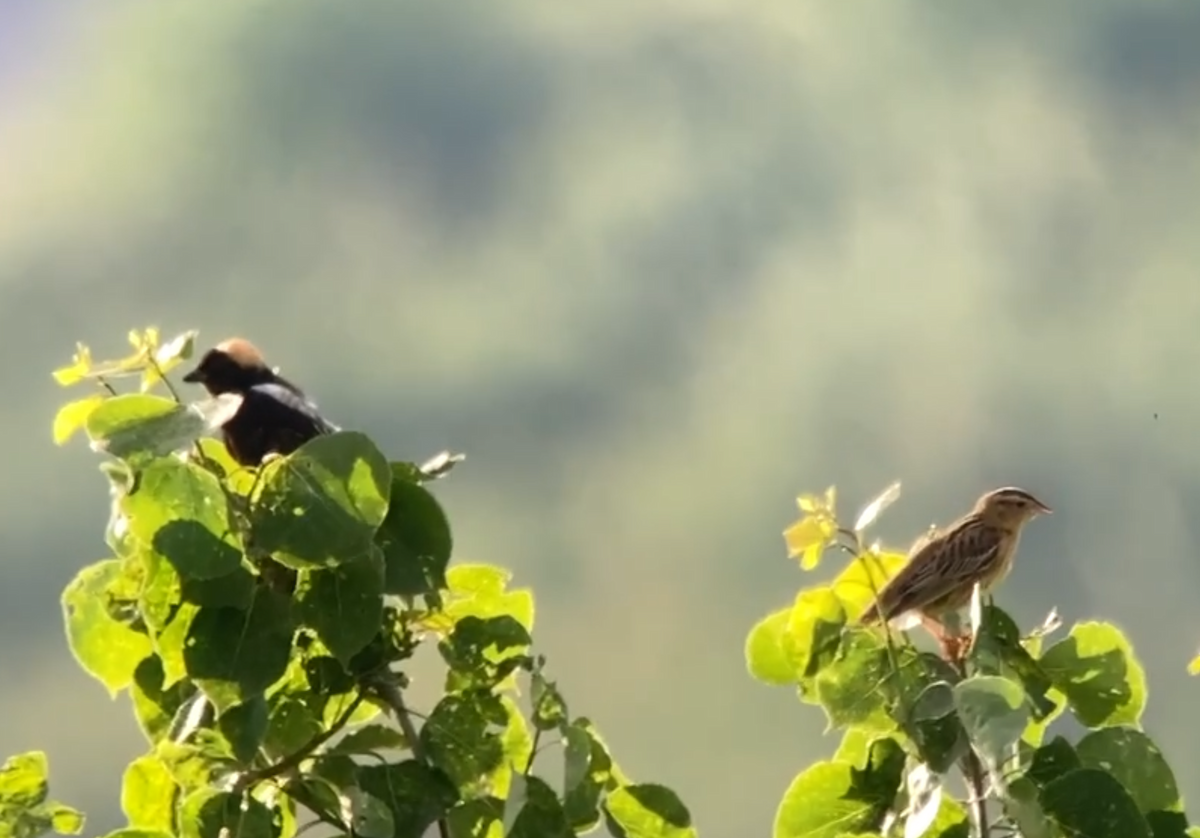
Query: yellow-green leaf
[(72, 416), (1194, 666), (806, 534), (766, 658), (79, 368), (814, 630), (861, 579)]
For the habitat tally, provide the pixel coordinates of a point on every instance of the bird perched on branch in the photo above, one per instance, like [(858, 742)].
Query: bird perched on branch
[(944, 566), (275, 416)]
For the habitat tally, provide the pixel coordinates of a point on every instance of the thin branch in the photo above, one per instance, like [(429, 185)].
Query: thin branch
[(860, 556), (163, 378), (294, 759), (533, 749), (390, 693)]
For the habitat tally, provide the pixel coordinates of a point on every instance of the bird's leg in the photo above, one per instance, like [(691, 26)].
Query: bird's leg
[(953, 643)]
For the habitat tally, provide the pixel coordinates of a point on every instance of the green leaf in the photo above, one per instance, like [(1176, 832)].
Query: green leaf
[(852, 689), (415, 539), (951, 821), (765, 656), (416, 794), (864, 577), (179, 510), (483, 652), (23, 780), (993, 712), (1022, 805), (201, 762), (1051, 761), (233, 655), (998, 650), (830, 799), (934, 728), (292, 726), (148, 794), (1133, 758), (138, 428), (855, 746), (233, 590), (1095, 668), (343, 604), (206, 813), (516, 741), (73, 416), (648, 810), (368, 816), (322, 504), (107, 649), (370, 739), (153, 705), (461, 736), (134, 832), (479, 590), (540, 813), (477, 818), (161, 590), (244, 726), (581, 801), (171, 641), (814, 630), (1092, 803), (549, 706)]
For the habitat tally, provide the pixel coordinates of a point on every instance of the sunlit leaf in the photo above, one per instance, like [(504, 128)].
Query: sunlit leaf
[(180, 512), (108, 649), (830, 799), (148, 794), (648, 810), (766, 658), (208, 812), (814, 630), (79, 368), (862, 578), (1095, 668), (73, 416), (322, 504)]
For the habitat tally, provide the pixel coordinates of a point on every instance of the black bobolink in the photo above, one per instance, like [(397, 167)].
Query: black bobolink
[(275, 416)]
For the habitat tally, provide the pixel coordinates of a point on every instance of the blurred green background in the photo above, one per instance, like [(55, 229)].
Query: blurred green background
[(657, 267)]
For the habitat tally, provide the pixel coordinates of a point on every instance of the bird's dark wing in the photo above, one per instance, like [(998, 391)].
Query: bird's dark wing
[(273, 419), (939, 566), (303, 413)]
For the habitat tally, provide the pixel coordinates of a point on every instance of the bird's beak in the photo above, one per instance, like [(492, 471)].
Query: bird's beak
[(1041, 507), (194, 377)]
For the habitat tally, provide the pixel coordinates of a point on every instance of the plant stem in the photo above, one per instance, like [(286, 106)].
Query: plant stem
[(302, 753), (974, 775), (391, 695)]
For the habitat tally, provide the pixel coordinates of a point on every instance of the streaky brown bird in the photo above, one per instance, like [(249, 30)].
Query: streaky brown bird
[(944, 565), (275, 416)]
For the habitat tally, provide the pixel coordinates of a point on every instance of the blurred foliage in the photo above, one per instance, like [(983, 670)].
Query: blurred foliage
[(908, 718), (24, 810), (260, 621)]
